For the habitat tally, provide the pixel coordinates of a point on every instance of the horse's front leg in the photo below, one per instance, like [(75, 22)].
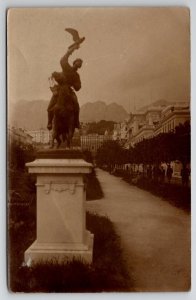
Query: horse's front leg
[(52, 142), (58, 141), (54, 137), (70, 136)]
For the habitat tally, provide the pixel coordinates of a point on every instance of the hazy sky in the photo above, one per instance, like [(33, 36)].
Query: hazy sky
[(132, 56)]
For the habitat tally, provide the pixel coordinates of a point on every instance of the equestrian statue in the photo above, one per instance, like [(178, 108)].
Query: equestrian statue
[(63, 109)]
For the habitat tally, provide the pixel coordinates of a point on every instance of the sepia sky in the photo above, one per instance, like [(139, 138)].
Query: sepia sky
[(131, 56)]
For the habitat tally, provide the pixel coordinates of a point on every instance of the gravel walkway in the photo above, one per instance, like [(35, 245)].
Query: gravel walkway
[(155, 235)]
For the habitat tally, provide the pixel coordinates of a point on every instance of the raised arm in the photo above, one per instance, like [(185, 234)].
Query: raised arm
[(64, 60)]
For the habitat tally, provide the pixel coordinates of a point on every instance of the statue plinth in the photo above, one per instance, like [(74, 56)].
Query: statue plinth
[(61, 214), (60, 153)]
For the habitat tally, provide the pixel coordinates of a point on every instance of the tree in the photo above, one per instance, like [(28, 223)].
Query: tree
[(183, 142), (161, 148), (19, 154), (109, 154), (100, 127)]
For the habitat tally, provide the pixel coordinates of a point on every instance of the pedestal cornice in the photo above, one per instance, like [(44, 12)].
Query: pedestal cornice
[(59, 162)]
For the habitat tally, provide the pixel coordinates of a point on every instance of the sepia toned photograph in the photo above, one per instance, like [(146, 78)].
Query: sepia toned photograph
[(98, 150)]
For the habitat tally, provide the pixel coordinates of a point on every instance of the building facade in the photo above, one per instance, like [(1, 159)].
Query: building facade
[(120, 132), (171, 117), (41, 136), (92, 142), (141, 125), (155, 120)]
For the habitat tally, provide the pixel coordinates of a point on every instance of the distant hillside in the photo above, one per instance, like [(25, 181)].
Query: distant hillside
[(32, 115), (96, 111)]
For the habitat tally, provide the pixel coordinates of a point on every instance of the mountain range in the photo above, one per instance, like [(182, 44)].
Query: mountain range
[(32, 115), (97, 111)]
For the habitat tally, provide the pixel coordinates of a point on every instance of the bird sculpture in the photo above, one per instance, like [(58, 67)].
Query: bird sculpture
[(77, 40)]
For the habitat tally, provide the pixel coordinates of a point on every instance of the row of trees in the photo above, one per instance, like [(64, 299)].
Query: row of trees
[(165, 147)]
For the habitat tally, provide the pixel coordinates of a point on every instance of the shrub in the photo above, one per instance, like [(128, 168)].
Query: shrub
[(93, 188), (19, 154)]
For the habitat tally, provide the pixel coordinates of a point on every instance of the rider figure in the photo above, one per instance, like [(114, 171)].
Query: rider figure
[(70, 80)]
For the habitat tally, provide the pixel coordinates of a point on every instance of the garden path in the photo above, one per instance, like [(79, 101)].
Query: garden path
[(155, 235)]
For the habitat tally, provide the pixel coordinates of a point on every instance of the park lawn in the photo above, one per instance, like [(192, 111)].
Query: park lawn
[(107, 273)]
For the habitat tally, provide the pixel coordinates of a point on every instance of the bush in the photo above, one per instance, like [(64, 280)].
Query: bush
[(19, 154), (93, 188)]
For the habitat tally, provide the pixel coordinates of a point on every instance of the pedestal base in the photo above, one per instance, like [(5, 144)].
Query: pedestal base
[(61, 211), (60, 252)]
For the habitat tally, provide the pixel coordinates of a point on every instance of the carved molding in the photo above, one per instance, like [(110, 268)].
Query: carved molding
[(59, 187)]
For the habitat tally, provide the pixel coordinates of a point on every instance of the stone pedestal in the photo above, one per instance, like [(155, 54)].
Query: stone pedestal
[(61, 213)]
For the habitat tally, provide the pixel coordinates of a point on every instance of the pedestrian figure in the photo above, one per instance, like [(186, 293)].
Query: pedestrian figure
[(159, 173), (155, 173), (185, 176), (162, 174), (149, 172), (169, 173)]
